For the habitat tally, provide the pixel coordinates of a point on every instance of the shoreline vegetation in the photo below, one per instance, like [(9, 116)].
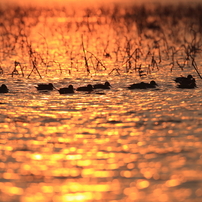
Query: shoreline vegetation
[(139, 39)]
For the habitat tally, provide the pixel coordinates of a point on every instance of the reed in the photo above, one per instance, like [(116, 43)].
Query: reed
[(33, 57), (15, 71), (84, 55), (136, 39)]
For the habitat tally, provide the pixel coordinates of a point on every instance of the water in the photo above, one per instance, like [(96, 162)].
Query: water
[(112, 145)]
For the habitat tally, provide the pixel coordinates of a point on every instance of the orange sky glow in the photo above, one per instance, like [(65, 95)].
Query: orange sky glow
[(62, 2), (86, 2)]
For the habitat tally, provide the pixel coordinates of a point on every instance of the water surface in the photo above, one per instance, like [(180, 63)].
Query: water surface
[(112, 145)]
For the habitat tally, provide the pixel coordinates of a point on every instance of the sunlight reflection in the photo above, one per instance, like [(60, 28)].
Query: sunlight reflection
[(37, 157), (77, 197), (113, 144), (172, 183)]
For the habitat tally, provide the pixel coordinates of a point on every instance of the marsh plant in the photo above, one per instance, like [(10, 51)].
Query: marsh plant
[(138, 39)]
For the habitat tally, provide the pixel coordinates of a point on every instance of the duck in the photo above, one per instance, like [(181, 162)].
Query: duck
[(186, 82), (3, 88), (143, 85), (106, 85), (68, 90), (43, 86), (140, 85), (88, 88), (183, 79)]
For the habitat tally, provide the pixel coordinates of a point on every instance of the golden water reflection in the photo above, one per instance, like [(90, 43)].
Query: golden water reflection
[(120, 155)]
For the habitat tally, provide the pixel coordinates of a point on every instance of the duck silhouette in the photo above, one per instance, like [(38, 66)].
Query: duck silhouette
[(44, 86), (186, 82), (3, 88), (143, 85), (183, 79), (88, 88), (68, 90), (106, 85)]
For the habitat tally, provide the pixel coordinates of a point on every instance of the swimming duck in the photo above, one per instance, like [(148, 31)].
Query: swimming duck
[(186, 82), (140, 85), (3, 89), (106, 85), (143, 85), (68, 90), (183, 79), (43, 86), (88, 88)]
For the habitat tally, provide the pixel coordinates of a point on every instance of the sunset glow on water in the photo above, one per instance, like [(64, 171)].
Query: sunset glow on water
[(108, 145)]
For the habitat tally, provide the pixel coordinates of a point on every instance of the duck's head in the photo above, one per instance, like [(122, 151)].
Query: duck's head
[(71, 87), (51, 85), (190, 76), (89, 86), (107, 83), (153, 83), (4, 86)]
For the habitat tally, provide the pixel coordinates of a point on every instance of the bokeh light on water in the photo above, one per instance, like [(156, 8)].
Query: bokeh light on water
[(112, 145)]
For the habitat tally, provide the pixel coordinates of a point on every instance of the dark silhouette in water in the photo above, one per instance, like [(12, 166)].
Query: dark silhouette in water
[(43, 86), (106, 85), (143, 85), (88, 88), (152, 84), (68, 90), (186, 82), (3, 89)]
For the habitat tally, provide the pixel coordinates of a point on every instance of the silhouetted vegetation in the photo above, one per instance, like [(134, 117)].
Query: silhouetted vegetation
[(135, 39)]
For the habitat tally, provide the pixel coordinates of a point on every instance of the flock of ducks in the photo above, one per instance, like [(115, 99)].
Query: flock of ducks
[(70, 88), (183, 82)]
